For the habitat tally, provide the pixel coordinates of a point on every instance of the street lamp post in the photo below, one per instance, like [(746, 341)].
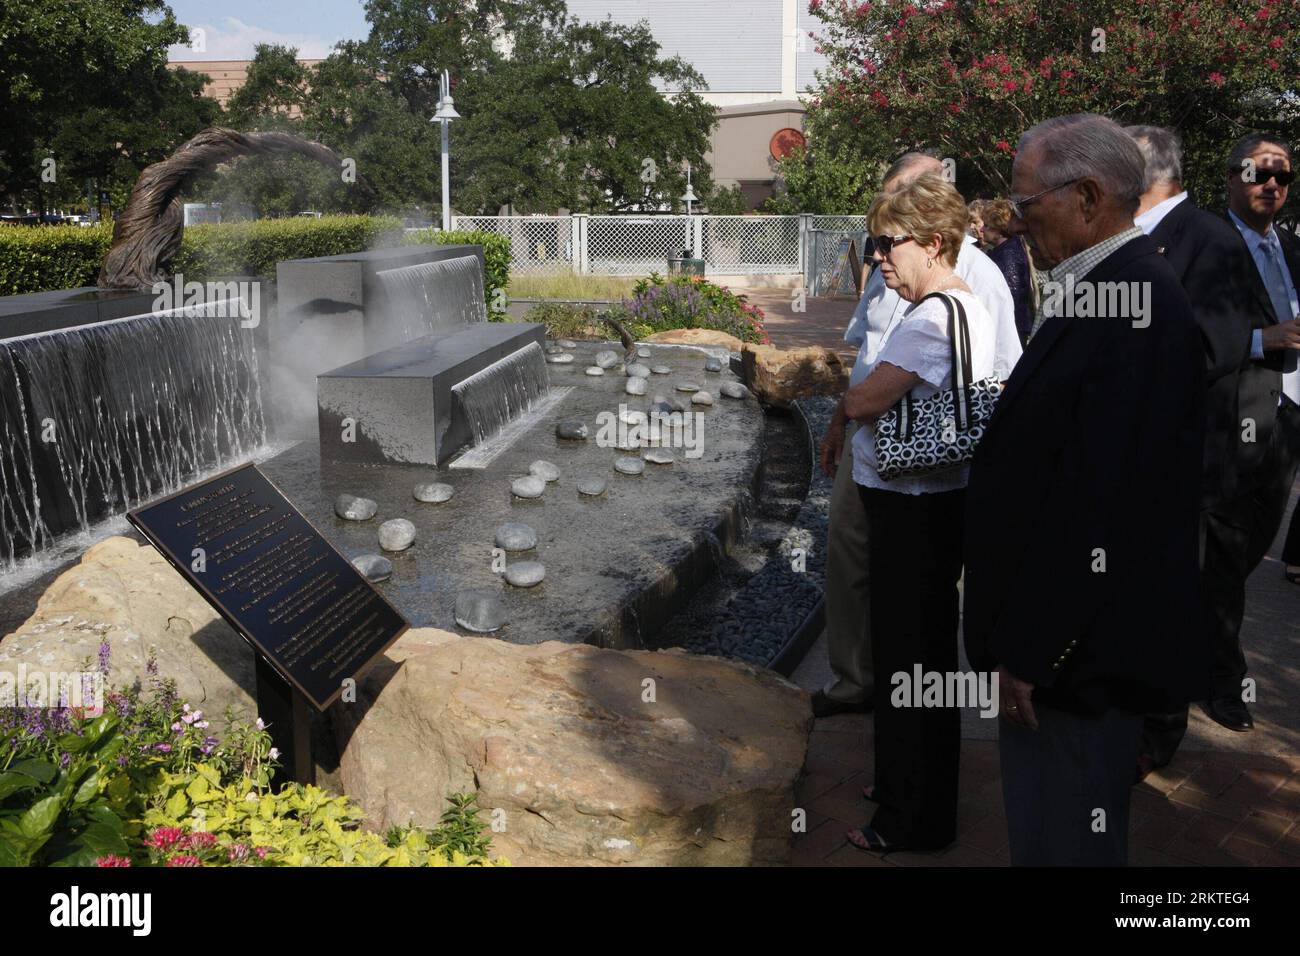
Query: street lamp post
[(689, 196), (446, 113)]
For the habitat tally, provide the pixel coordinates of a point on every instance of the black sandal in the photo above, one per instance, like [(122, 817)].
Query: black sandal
[(875, 842)]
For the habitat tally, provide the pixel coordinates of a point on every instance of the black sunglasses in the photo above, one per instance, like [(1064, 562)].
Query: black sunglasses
[(886, 243), (1284, 177)]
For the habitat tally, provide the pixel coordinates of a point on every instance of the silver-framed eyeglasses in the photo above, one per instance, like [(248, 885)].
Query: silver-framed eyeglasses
[(1018, 205)]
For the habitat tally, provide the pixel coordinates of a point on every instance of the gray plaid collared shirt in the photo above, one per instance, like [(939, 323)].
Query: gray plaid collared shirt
[(1081, 263)]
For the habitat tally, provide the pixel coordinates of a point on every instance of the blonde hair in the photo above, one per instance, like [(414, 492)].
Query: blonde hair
[(997, 213), (926, 206)]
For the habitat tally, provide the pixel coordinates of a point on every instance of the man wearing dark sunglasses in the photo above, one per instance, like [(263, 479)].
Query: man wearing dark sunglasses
[(1268, 412)]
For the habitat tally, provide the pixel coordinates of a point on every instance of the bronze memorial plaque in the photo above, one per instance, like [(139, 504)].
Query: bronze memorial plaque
[(275, 579)]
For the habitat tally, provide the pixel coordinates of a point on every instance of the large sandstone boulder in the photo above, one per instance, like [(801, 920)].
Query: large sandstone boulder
[(779, 377), (127, 594), (575, 755), (709, 337)]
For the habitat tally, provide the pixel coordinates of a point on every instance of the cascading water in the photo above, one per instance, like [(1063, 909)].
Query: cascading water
[(431, 297), (98, 418), (502, 392)]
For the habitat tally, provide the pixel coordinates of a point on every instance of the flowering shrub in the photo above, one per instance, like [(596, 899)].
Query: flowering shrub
[(969, 78), (150, 782), (690, 302)]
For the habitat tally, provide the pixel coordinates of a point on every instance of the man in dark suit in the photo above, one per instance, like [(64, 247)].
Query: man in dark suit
[(1259, 174), (1081, 526), (1228, 302)]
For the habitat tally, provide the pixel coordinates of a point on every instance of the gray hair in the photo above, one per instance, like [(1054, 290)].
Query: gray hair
[(906, 162), (1085, 145), (1249, 143), (1163, 151)]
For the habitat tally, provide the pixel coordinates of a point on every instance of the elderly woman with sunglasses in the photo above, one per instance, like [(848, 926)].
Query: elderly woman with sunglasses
[(915, 547)]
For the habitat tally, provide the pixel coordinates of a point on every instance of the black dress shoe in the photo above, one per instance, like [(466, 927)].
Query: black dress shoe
[(1229, 712), (824, 706)]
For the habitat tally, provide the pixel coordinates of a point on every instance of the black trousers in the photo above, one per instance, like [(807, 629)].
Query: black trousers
[(1236, 535), (915, 552)]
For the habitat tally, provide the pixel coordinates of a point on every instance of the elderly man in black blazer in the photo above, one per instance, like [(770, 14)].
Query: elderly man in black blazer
[(1229, 303), (1081, 521)]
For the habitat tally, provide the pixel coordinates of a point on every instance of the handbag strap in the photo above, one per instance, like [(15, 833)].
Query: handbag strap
[(960, 352)]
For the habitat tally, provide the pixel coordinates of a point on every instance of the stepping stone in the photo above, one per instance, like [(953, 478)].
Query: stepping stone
[(352, 508), (594, 370), (563, 358), (544, 470), (658, 456), (553, 350), (525, 574), (433, 492), (607, 359), (530, 486), (629, 466), (516, 536), (712, 364), (374, 567), (572, 429), (630, 416), (397, 534), (567, 344), (687, 387), (591, 486), (480, 611), (733, 390), (701, 398), (661, 370), (635, 386), (637, 370), (643, 351)]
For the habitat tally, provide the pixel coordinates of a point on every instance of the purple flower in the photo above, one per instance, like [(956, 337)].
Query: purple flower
[(165, 748), (104, 653), (151, 666)]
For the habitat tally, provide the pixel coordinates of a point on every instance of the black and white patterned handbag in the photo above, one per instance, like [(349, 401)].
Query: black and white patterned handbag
[(938, 433)]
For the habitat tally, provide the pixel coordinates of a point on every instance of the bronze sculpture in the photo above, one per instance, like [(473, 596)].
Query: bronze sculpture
[(148, 234)]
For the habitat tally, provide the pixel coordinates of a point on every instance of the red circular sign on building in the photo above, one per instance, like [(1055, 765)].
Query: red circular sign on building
[(784, 141)]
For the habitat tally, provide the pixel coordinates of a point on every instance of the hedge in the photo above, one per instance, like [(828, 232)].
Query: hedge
[(37, 259)]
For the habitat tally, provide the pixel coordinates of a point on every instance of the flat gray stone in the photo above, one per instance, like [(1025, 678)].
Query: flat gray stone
[(666, 406), (352, 508), (635, 386), (637, 370), (525, 574), (713, 364), (701, 398), (516, 536), (629, 466), (687, 387), (561, 358), (480, 611), (591, 486), (544, 470), (607, 359), (733, 390), (396, 534), (595, 370), (567, 344), (662, 370), (530, 486), (658, 456), (572, 429), (374, 567), (433, 492), (631, 416), (553, 350), (643, 351)]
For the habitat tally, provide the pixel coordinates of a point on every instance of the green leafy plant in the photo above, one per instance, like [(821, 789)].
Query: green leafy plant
[(565, 321)]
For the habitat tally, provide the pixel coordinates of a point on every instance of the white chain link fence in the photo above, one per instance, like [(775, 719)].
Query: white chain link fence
[(639, 245), (826, 233)]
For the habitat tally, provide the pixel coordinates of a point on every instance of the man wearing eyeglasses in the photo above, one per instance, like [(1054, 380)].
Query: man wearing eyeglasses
[(1082, 508), (1268, 416)]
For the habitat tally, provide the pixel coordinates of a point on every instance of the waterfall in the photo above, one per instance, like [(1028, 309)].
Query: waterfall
[(503, 391), (98, 418), (430, 297)]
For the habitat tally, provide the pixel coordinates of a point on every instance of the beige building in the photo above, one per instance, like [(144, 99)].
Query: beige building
[(224, 76)]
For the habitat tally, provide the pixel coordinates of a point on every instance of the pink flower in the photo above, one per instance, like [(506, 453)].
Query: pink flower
[(199, 841), (1002, 146), (112, 860), (184, 860), (1216, 79), (1010, 86), (164, 838)]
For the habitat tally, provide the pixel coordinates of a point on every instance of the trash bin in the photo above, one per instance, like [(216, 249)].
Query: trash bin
[(686, 265)]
